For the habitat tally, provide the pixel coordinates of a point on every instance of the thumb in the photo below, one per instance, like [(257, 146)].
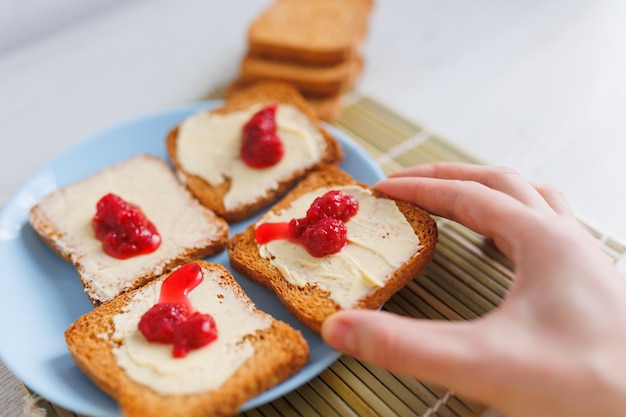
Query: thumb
[(440, 352)]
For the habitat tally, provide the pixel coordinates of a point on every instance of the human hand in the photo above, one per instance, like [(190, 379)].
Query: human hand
[(556, 346)]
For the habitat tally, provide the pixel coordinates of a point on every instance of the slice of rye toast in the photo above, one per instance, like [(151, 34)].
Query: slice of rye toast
[(310, 303), (311, 81), (278, 352), (188, 230), (322, 32), (257, 94)]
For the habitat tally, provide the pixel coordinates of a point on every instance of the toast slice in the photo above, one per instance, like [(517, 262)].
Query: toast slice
[(204, 149), (322, 32), (215, 380), (188, 230), (358, 282), (311, 81)]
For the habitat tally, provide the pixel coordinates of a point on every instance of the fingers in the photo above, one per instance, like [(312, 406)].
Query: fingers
[(488, 212), (495, 202), (503, 179), (555, 198), (436, 351)]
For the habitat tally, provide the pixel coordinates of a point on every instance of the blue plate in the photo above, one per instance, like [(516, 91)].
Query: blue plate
[(40, 294)]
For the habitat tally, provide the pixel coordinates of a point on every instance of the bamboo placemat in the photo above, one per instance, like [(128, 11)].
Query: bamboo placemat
[(467, 278)]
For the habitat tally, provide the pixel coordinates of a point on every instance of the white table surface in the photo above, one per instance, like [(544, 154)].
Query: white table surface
[(539, 85)]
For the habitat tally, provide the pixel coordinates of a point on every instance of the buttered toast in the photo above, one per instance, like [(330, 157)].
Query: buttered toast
[(252, 352), (205, 150), (388, 243), (63, 219)]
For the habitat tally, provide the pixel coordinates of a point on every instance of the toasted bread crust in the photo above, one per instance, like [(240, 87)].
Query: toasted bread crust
[(310, 304), (49, 233), (280, 352), (262, 92)]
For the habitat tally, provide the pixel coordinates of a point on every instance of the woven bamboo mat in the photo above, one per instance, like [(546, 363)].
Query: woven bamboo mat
[(467, 278)]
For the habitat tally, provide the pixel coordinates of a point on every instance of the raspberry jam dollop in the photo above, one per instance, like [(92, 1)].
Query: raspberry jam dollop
[(123, 229), (172, 320), (325, 237), (159, 324), (261, 147), (322, 231), (334, 204)]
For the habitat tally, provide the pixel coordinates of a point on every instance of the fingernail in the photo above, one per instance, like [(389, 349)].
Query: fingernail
[(339, 334)]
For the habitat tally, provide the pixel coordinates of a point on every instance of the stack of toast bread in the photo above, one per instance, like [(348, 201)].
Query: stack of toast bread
[(194, 222), (315, 45)]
